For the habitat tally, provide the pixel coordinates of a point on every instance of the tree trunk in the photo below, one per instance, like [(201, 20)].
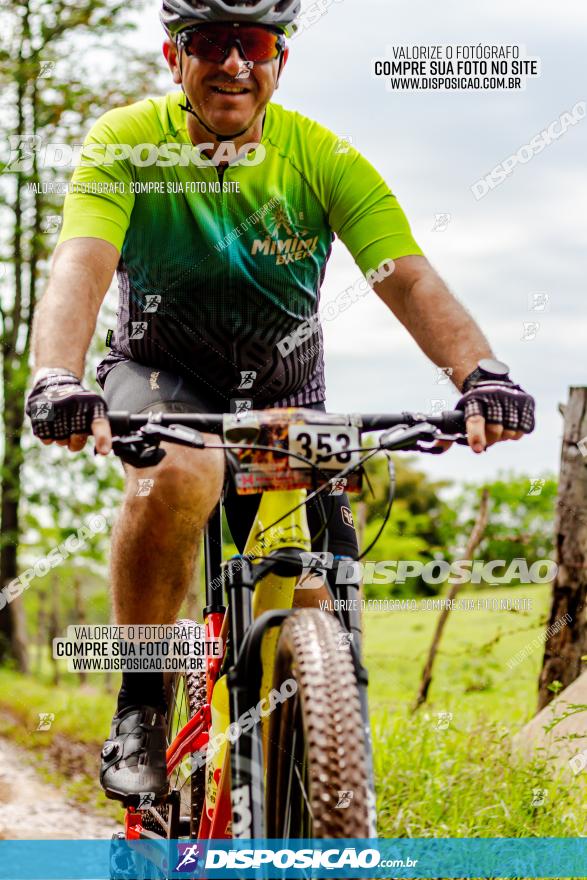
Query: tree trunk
[(12, 621), (79, 614), (567, 644), (53, 629), (14, 376), (472, 544), (41, 631)]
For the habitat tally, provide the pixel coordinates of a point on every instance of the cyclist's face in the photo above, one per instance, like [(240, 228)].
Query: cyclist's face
[(225, 101)]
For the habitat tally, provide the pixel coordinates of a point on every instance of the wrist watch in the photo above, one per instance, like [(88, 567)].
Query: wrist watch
[(487, 368)]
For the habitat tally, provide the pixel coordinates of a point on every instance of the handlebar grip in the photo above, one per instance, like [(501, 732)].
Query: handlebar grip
[(125, 423), (120, 422), (449, 422), (453, 422)]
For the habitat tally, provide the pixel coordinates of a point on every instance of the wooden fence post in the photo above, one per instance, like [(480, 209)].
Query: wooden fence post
[(475, 539), (567, 643)]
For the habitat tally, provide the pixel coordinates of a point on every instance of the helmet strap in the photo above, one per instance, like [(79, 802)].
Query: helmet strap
[(188, 108)]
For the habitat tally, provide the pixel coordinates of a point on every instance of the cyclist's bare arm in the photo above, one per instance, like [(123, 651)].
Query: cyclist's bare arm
[(65, 318), (443, 329), (441, 326)]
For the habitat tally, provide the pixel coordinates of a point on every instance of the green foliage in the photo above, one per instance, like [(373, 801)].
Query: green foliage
[(54, 83), (429, 520), (520, 524), (413, 530), (462, 781), (460, 778), (474, 652)]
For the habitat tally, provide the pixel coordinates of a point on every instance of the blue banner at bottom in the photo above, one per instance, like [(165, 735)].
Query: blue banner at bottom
[(404, 858)]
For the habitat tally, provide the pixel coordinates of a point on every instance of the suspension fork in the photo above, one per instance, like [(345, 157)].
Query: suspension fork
[(247, 784), (215, 610), (246, 751)]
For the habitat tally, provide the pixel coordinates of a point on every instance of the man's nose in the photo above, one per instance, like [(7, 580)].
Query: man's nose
[(232, 63)]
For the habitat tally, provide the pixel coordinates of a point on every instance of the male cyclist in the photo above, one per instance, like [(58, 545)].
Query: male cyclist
[(216, 281)]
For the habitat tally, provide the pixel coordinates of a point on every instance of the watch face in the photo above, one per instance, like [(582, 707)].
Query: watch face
[(496, 368)]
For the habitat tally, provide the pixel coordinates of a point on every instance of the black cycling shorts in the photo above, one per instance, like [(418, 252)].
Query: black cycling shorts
[(136, 388)]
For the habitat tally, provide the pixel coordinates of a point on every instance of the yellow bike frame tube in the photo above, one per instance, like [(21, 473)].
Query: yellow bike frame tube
[(293, 531), (274, 591)]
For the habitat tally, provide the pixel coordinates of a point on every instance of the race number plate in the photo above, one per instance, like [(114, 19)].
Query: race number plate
[(326, 439), (326, 446)]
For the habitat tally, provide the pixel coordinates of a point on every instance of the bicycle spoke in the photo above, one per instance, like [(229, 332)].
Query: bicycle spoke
[(287, 820)]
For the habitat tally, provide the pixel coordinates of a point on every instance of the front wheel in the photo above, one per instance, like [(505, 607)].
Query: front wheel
[(317, 767)]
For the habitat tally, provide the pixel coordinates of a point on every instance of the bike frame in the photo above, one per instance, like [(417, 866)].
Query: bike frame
[(260, 587)]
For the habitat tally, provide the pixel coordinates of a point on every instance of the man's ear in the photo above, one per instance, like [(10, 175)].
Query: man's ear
[(282, 63), (171, 56)]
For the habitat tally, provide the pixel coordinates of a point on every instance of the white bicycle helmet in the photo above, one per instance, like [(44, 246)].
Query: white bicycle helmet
[(176, 15)]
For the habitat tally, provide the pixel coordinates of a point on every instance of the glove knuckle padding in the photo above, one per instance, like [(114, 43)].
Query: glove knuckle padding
[(59, 407), (500, 403)]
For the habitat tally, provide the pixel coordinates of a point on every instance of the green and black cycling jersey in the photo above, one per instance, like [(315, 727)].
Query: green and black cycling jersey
[(217, 268)]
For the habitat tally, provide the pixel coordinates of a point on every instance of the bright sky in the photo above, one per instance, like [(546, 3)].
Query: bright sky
[(526, 237)]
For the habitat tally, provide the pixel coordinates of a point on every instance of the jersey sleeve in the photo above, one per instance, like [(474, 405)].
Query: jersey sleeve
[(360, 207), (100, 200)]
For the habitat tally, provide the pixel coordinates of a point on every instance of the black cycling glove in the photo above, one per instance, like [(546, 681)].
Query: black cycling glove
[(499, 401), (59, 406)]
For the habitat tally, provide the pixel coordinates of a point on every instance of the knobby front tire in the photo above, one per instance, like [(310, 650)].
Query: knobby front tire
[(316, 763), (186, 694)]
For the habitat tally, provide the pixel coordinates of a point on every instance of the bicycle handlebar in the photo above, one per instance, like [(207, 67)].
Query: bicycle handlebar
[(450, 422)]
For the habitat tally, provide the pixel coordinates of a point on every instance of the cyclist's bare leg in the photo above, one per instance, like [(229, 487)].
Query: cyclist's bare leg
[(155, 538), (153, 551)]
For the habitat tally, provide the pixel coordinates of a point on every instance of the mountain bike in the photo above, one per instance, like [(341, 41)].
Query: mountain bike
[(271, 739)]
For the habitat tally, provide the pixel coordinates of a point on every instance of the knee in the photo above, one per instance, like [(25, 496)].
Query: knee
[(186, 479)]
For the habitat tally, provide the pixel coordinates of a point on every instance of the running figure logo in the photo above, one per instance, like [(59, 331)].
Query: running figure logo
[(188, 856), (152, 302), (238, 407), (247, 379), (338, 486), (46, 719), (344, 799), (42, 410), (139, 328)]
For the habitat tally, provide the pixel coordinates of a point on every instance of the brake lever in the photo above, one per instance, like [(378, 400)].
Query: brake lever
[(142, 450), (177, 434), (137, 451), (461, 439), (417, 437), (404, 437)]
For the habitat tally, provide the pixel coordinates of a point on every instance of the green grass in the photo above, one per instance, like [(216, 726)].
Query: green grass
[(82, 714), (470, 677), (462, 782), (456, 779)]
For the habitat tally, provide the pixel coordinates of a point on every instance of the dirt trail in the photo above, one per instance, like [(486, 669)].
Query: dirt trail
[(32, 809)]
